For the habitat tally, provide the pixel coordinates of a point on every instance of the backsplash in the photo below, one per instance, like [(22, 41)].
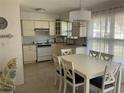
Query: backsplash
[(39, 36), (82, 41)]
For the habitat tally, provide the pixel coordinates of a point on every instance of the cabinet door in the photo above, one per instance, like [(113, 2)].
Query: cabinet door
[(41, 24), (64, 28), (38, 24), (45, 24), (69, 29), (29, 53), (28, 28), (83, 29), (75, 28), (52, 28)]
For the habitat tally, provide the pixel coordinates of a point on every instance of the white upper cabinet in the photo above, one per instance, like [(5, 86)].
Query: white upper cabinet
[(41, 24), (28, 28), (52, 28)]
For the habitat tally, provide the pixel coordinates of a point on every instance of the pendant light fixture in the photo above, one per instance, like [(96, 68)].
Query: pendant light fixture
[(79, 15)]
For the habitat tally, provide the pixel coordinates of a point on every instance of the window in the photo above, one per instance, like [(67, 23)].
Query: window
[(119, 26), (107, 34)]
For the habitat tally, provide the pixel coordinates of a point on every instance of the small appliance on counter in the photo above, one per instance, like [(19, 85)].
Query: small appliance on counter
[(43, 51)]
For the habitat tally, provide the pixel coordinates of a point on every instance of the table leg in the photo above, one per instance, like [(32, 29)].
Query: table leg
[(119, 81), (86, 85)]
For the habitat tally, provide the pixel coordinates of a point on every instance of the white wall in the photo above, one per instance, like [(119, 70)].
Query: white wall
[(10, 48), (38, 16)]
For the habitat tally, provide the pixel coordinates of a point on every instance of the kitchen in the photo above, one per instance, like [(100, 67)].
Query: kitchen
[(35, 33), (44, 35)]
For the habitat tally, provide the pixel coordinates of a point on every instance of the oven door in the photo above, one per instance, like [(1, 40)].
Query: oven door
[(44, 53)]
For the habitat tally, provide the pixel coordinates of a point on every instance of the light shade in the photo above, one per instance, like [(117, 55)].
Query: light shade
[(79, 15)]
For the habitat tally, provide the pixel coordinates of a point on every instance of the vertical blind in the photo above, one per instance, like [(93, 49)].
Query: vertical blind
[(107, 33)]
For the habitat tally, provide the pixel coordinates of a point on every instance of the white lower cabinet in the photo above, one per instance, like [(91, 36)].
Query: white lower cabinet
[(81, 50), (29, 52)]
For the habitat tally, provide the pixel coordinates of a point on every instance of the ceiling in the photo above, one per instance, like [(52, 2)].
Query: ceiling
[(61, 6)]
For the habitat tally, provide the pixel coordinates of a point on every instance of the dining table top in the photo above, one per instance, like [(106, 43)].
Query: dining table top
[(90, 67), (87, 66)]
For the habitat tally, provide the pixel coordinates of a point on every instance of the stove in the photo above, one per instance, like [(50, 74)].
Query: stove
[(43, 51)]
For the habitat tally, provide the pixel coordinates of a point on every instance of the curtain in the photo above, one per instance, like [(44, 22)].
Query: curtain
[(107, 33)]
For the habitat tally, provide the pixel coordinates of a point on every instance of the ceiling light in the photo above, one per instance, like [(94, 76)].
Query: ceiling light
[(80, 14), (40, 9)]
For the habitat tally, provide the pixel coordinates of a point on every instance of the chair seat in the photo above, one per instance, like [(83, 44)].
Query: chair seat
[(99, 81), (78, 79), (61, 71)]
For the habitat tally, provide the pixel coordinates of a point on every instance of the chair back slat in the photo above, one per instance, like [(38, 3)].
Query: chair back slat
[(106, 57), (94, 53), (68, 70), (66, 52), (111, 74), (57, 63)]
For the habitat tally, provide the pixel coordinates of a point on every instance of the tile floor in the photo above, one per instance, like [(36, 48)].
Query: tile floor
[(39, 78)]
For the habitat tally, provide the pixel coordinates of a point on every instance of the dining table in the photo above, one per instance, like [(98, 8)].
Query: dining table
[(88, 67)]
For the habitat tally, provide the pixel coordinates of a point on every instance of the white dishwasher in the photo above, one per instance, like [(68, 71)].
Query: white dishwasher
[(44, 52)]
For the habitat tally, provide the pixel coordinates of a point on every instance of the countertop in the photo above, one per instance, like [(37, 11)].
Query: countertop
[(62, 44), (71, 46), (28, 44), (31, 44)]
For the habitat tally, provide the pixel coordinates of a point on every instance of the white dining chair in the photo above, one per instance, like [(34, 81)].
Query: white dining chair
[(66, 52), (94, 53), (59, 73), (106, 57), (70, 77), (108, 82)]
